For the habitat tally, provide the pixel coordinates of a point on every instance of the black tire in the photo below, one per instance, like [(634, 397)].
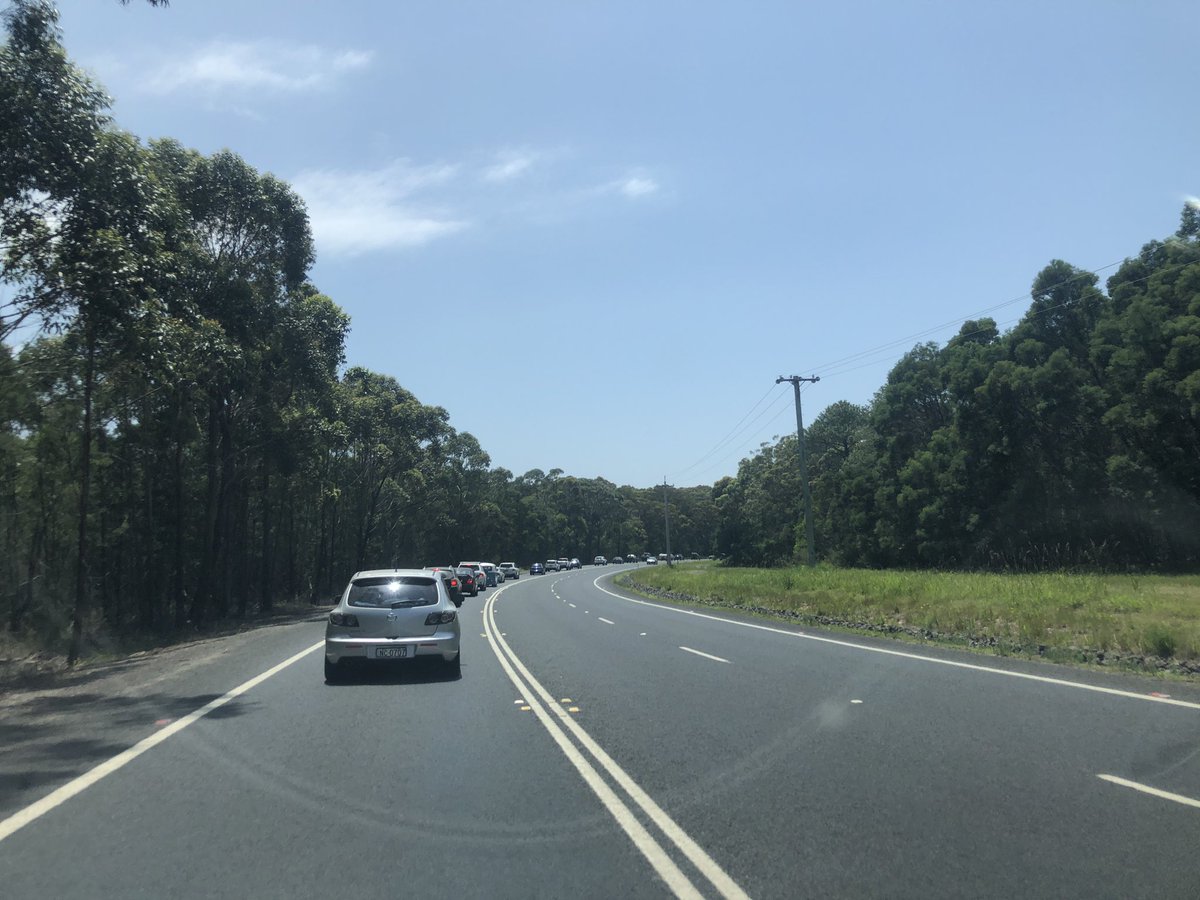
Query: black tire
[(455, 667), (334, 672)]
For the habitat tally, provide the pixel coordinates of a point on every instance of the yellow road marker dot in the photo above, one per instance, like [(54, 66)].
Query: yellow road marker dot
[(565, 700), (572, 709), (525, 709)]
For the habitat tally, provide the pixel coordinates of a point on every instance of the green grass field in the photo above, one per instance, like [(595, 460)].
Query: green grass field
[(1059, 615)]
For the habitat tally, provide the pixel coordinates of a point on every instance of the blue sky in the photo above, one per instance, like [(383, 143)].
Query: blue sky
[(647, 211)]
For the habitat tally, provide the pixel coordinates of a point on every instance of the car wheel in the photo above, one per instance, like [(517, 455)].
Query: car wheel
[(455, 667), (333, 672)]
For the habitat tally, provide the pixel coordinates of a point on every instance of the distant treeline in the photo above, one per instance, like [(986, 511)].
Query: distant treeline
[(180, 441), (1072, 440)]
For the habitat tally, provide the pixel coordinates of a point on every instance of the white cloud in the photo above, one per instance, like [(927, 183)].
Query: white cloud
[(636, 186), (509, 166), (405, 205), (264, 66), (359, 212)]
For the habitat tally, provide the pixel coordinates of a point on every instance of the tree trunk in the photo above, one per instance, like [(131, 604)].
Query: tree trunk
[(177, 499), (226, 518), (82, 572), (212, 533), (264, 591)]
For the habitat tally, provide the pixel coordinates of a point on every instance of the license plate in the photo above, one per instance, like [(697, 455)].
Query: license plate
[(391, 652)]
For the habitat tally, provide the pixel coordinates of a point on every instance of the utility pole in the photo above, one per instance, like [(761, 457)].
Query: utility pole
[(809, 538), (667, 517)]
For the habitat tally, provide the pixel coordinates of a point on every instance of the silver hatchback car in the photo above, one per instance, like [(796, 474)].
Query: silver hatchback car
[(392, 614)]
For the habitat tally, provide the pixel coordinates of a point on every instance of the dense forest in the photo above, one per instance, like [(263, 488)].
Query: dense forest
[(1072, 440), (181, 439)]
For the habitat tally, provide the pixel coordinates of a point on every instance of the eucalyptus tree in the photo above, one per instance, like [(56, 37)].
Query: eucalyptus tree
[(76, 221), (52, 117), (245, 249)]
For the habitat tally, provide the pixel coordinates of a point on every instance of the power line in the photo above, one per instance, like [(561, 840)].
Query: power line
[(749, 451), (725, 439), (840, 366), (832, 364)]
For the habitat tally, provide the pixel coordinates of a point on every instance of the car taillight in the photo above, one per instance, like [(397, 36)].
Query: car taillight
[(442, 618), (453, 582), (346, 620)]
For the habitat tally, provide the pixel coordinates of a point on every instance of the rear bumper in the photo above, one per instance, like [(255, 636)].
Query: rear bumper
[(443, 644)]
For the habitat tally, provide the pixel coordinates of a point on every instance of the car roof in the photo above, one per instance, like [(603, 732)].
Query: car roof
[(384, 573)]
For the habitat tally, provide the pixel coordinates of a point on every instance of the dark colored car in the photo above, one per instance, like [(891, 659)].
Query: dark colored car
[(453, 587), (537, 569), (466, 578)]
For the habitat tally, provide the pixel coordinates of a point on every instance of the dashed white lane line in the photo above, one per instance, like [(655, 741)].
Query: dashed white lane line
[(1153, 697), (1152, 791), (572, 605), (60, 796), (605, 621), (705, 655)]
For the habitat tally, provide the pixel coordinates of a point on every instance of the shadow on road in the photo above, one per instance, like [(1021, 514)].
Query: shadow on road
[(49, 739), (417, 671)]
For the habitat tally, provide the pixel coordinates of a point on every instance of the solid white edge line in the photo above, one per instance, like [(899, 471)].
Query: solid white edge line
[(974, 667), (1152, 791), (652, 850), (694, 852), (61, 795), (705, 655)]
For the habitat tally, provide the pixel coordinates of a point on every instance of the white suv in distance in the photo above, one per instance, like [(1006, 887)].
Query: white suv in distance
[(510, 570), (599, 561), (392, 614)]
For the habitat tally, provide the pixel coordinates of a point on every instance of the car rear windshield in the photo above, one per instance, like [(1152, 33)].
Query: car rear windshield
[(391, 592)]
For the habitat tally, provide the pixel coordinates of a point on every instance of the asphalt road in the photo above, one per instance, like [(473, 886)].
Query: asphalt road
[(597, 746)]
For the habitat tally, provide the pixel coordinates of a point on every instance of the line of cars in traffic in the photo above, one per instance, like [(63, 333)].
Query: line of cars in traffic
[(405, 614), (562, 564)]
